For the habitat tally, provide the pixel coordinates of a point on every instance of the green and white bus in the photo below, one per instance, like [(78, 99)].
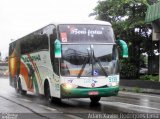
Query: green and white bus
[(67, 60)]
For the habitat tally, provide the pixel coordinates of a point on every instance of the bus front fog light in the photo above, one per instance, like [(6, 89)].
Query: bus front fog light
[(69, 86), (114, 84)]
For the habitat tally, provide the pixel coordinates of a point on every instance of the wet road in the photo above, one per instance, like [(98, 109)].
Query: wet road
[(37, 107)]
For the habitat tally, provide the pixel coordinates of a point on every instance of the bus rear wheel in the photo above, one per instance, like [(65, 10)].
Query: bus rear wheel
[(95, 99), (20, 90)]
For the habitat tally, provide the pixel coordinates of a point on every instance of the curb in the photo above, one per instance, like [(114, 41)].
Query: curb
[(139, 90), (140, 83)]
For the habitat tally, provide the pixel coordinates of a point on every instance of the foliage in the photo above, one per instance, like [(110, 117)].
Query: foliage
[(133, 89), (128, 70), (150, 77), (129, 13), (137, 90), (128, 20)]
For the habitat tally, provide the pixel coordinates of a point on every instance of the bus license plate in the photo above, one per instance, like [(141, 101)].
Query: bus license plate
[(93, 93)]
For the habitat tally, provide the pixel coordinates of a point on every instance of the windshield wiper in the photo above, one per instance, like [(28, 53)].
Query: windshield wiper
[(97, 60), (91, 58), (83, 66), (101, 67), (88, 59)]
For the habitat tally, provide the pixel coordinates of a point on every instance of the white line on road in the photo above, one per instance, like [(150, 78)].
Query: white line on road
[(48, 108), (72, 116), (121, 104), (26, 100), (124, 105), (140, 106)]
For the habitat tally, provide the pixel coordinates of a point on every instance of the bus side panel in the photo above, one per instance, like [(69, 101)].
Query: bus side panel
[(14, 62), (27, 79), (35, 68)]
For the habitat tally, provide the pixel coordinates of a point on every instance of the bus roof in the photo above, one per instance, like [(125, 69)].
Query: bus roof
[(56, 23), (98, 22)]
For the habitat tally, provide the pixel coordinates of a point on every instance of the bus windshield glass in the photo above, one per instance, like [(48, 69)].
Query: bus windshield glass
[(86, 33), (88, 60)]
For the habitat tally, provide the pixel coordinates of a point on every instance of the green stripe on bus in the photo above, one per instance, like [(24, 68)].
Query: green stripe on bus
[(33, 78), (84, 92)]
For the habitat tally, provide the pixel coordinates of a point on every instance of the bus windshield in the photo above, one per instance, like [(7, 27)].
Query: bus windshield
[(88, 60)]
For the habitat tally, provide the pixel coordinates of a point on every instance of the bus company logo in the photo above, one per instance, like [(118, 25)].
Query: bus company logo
[(94, 81), (76, 31), (72, 30), (93, 84), (84, 31), (33, 58), (70, 80)]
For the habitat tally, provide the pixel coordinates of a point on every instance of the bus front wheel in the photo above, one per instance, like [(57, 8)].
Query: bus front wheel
[(47, 92), (95, 99)]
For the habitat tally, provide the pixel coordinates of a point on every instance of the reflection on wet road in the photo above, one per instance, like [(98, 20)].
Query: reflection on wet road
[(125, 102)]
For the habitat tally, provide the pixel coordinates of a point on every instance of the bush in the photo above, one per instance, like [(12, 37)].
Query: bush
[(150, 77), (137, 90), (128, 70)]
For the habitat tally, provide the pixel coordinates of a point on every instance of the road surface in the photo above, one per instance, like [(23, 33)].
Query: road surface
[(126, 105)]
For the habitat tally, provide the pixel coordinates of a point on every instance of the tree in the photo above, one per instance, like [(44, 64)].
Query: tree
[(128, 20)]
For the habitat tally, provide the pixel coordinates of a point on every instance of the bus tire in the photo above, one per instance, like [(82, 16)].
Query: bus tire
[(95, 99), (57, 100), (20, 90), (47, 93), (16, 85)]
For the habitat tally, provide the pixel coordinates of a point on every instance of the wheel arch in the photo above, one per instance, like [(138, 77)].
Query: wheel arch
[(46, 81), (23, 82)]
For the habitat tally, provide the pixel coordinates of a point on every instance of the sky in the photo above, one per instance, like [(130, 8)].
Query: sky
[(21, 17)]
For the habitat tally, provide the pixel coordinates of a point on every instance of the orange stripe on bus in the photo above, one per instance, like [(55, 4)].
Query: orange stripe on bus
[(24, 72)]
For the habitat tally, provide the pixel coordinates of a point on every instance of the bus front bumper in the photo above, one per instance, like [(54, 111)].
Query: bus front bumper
[(89, 92)]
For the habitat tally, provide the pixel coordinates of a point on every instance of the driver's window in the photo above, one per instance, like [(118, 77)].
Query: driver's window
[(55, 62)]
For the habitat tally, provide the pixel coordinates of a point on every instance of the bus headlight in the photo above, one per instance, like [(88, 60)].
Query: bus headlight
[(115, 84), (69, 86)]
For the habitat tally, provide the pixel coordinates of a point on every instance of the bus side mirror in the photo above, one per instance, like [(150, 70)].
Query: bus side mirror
[(124, 47), (57, 49)]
